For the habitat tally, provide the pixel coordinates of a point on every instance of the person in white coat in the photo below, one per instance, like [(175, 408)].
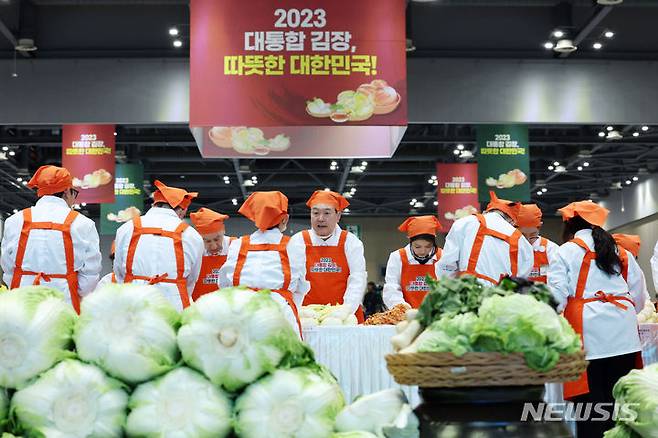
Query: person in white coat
[(266, 259), (50, 243), (159, 248), (529, 223), (487, 246), (599, 286)]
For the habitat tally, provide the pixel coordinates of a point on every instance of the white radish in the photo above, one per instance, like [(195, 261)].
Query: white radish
[(407, 336)]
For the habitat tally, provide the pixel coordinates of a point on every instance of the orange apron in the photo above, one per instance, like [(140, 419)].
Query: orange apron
[(412, 278), (208, 276), (71, 275), (113, 279), (482, 232), (573, 312), (327, 270), (177, 237), (541, 260), (246, 246)]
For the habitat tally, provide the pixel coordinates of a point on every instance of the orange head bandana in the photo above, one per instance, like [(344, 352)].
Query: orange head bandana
[(173, 196), (415, 226), (51, 179), (629, 242), (591, 212), (510, 208), (529, 216), (265, 209), (207, 221), (326, 197)]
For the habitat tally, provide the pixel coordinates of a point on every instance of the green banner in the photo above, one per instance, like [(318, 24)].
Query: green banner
[(503, 162), (129, 198)]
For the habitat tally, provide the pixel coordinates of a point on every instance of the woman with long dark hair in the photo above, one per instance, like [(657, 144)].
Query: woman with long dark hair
[(599, 286), (407, 267)]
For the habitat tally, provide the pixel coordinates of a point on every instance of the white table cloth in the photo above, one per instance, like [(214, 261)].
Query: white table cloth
[(355, 355)]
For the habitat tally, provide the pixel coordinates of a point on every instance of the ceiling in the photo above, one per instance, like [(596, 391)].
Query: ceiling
[(442, 28)]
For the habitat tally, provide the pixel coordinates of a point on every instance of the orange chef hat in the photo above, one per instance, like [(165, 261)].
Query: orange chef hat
[(629, 242), (173, 196), (529, 216), (415, 226), (51, 179), (327, 197), (207, 221), (265, 209), (510, 208), (591, 212)]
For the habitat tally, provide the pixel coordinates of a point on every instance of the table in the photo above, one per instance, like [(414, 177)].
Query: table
[(355, 355)]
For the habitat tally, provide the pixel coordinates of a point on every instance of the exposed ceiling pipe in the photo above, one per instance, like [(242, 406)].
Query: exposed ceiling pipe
[(591, 24)]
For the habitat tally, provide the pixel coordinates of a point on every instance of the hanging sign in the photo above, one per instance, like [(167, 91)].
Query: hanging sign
[(129, 195), (457, 192)]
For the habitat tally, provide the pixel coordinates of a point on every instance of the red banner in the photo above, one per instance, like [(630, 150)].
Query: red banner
[(457, 191), (260, 68), (88, 153)]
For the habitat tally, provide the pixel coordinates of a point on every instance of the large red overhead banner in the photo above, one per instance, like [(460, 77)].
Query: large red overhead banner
[(289, 78), (457, 191), (88, 153)]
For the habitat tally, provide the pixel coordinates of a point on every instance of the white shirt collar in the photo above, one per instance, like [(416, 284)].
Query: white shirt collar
[(53, 200), (159, 211), (336, 231)]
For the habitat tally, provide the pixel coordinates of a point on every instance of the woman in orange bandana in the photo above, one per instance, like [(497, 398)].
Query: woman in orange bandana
[(158, 248), (529, 223), (335, 265), (50, 243), (407, 267), (599, 286), (265, 259), (210, 225)]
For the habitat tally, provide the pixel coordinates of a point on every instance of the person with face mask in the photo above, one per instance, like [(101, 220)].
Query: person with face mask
[(50, 243), (335, 264), (487, 246), (159, 248), (529, 223), (210, 225), (407, 267)]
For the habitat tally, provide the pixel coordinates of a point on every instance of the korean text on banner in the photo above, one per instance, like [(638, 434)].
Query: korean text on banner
[(129, 193), (503, 162), (457, 191), (88, 153)]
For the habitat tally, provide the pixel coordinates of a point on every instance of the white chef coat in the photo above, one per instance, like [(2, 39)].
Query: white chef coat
[(392, 292), (607, 330), (45, 248), (356, 282), (551, 251), (494, 258), (155, 255), (262, 270), (654, 267)]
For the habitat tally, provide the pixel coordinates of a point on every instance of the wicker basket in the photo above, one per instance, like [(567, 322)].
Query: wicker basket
[(445, 370)]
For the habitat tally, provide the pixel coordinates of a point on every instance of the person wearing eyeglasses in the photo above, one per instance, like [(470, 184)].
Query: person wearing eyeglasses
[(50, 243)]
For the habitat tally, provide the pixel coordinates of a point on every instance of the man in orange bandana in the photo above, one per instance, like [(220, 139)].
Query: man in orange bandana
[(529, 222), (210, 225), (334, 260), (159, 248), (267, 259), (51, 244), (487, 246)]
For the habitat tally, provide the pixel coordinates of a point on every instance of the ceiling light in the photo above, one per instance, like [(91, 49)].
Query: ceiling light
[(539, 193), (226, 177), (364, 163), (544, 190), (413, 201), (24, 183), (356, 169), (609, 128), (436, 203), (234, 201), (601, 134), (580, 168), (614, 135), (636, 134), (635, 178), (609, 34), (597, 46), (565, 46), (173, 31), (434, 177), (19, 179), (419, 205), (346, 210), (5, 148), (548, 45), (586, 164), (12, 153), (460, 147), (430, 181), (556, 163), (15, 210), (347, 195), (334, 163), (84, 204), (115, 133), (558, 33), (178, 43), (645, 128), (551, 167), (628, 182), (456, 152)]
